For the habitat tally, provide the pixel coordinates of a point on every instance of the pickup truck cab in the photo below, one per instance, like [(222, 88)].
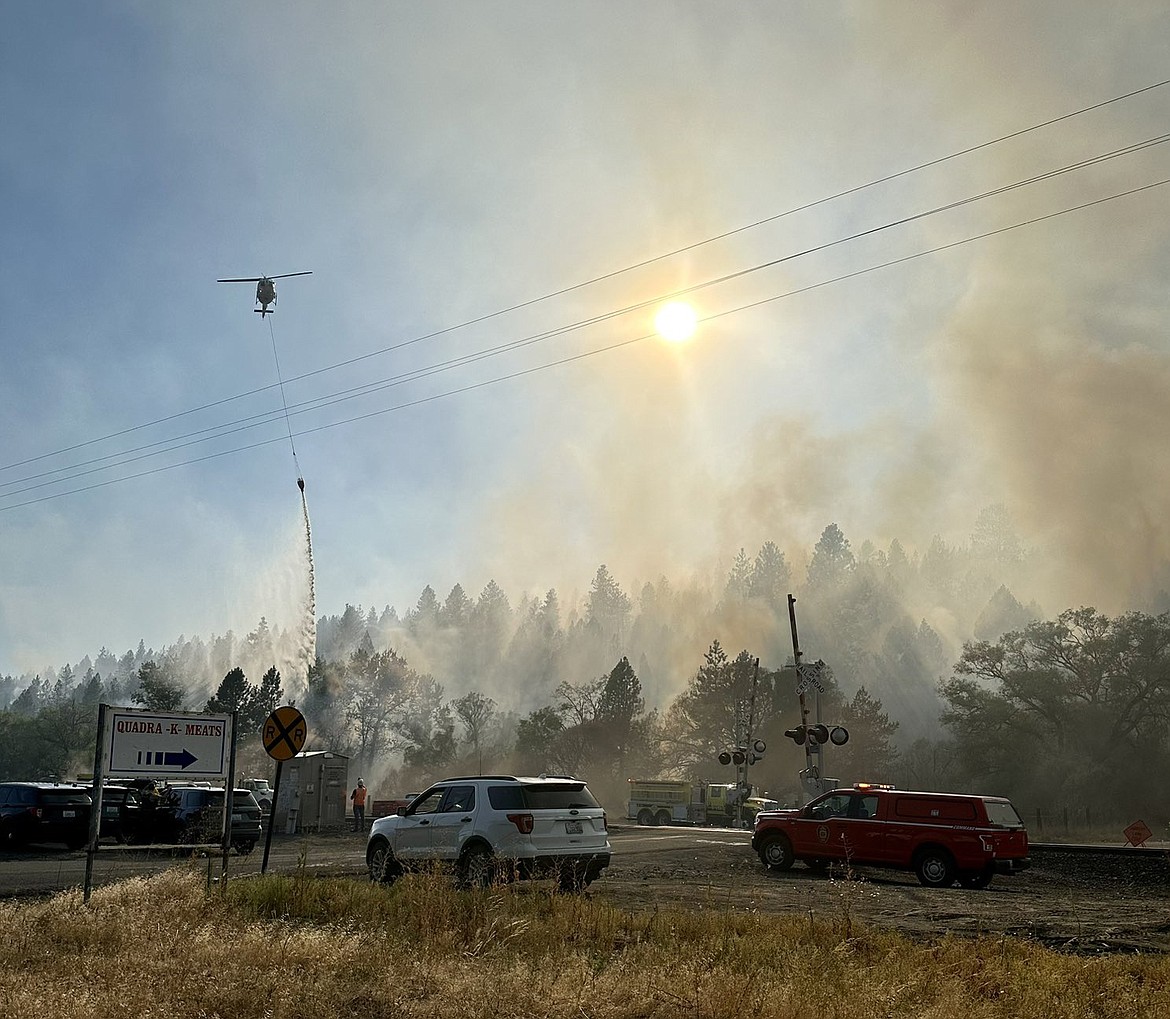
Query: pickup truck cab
[(942, 837)]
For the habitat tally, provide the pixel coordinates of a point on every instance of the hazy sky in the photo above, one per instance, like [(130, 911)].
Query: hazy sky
[(435, 164)]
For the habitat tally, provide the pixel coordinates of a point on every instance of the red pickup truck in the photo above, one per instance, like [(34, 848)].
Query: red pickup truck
[(942, 837)]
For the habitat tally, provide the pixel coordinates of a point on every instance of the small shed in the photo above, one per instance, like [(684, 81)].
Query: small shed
[(312, 793)]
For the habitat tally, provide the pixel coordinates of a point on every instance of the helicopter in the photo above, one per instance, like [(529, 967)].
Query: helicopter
[(265, 289)]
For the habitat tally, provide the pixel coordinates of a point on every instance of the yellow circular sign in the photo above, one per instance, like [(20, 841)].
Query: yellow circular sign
[(284, 733)]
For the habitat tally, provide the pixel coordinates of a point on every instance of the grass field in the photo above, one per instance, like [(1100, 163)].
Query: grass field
[(311, 948)]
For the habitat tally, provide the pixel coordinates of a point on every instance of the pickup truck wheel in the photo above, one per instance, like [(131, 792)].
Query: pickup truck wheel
[(244, 846), (380, 862), (976, 879), (645, 817), (776, 853), (935, 867)]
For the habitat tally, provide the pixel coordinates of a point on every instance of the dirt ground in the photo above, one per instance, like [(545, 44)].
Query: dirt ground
[(1072, 901), (1076, 902)]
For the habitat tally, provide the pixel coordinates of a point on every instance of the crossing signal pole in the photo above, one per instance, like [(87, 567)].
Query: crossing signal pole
[(812, 736), (747, 750), (811, 772)]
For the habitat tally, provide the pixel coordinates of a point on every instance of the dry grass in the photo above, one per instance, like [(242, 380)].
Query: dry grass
[(329, 948)]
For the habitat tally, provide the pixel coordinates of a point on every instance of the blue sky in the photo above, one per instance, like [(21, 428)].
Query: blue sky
[(433, 164)]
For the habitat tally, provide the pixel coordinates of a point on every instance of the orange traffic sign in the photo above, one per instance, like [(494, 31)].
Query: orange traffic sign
[(284, 733), (1137, 833)]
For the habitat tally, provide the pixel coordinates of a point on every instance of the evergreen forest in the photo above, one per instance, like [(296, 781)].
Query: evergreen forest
[(943, 677)]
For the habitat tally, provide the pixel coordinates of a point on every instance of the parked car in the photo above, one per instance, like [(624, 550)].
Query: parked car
[(262, 791), (193, 815), (44, 812), (119, 806), (496, 827), (942, 837)]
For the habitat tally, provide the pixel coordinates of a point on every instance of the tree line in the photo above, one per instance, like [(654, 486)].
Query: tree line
[(620, 686)]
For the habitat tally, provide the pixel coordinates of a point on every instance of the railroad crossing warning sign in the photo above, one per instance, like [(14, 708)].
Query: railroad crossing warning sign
[(284, 733), (1137, 833), (809, 674)]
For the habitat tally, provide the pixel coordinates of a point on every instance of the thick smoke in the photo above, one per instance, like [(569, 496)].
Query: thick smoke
[(1067, 407)]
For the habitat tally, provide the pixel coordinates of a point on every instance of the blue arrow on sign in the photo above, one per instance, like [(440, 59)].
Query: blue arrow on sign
[(183, 760)]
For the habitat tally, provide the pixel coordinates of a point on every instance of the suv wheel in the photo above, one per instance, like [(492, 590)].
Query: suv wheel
[(776, 853), (935, 867), (380, 861), (244, 846), (573, 877), (476, 869)]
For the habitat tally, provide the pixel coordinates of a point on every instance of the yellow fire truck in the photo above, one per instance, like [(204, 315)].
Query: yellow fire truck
[(664, 801)]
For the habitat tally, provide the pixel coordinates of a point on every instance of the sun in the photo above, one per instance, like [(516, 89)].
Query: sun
[(676, 321)]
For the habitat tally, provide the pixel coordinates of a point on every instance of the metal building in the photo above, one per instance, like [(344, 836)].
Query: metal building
[(313, 790)]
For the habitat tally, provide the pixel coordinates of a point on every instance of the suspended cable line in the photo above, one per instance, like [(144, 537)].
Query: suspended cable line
[(256, 420), (521, 373), (608, 275)]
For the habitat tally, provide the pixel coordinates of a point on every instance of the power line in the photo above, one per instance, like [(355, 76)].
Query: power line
[(608, 275), (317, 403), (521, 373), (256, 420)]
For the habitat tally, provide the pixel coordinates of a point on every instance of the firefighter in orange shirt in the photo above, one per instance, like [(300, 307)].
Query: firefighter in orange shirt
[(359, 806)]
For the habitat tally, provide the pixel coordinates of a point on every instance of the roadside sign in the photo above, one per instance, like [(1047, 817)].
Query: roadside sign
[(809, 674), (284, 733), (1137, 833), (173, 744)]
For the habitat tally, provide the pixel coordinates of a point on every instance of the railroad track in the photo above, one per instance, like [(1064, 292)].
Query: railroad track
[(1134, 869), (1098, 849)]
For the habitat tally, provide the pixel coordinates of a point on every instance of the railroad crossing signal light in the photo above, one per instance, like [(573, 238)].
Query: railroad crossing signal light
[(759, 746), (838, 735), (738, 756), (725, 757)]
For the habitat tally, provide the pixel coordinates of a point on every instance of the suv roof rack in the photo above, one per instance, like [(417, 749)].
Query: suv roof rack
[(474, 778)]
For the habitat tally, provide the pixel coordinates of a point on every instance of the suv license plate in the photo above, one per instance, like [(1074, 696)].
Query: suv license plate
[(572, 827), (237, 817), (68, 813)]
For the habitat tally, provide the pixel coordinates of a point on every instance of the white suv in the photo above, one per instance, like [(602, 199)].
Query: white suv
[(496, 827)]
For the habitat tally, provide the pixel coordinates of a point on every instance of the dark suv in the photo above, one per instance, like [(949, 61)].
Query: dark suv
[(193, 815), (37, 812)]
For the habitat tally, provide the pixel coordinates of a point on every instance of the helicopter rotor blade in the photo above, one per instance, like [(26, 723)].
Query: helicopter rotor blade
[(285, 275), (246, 279)]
